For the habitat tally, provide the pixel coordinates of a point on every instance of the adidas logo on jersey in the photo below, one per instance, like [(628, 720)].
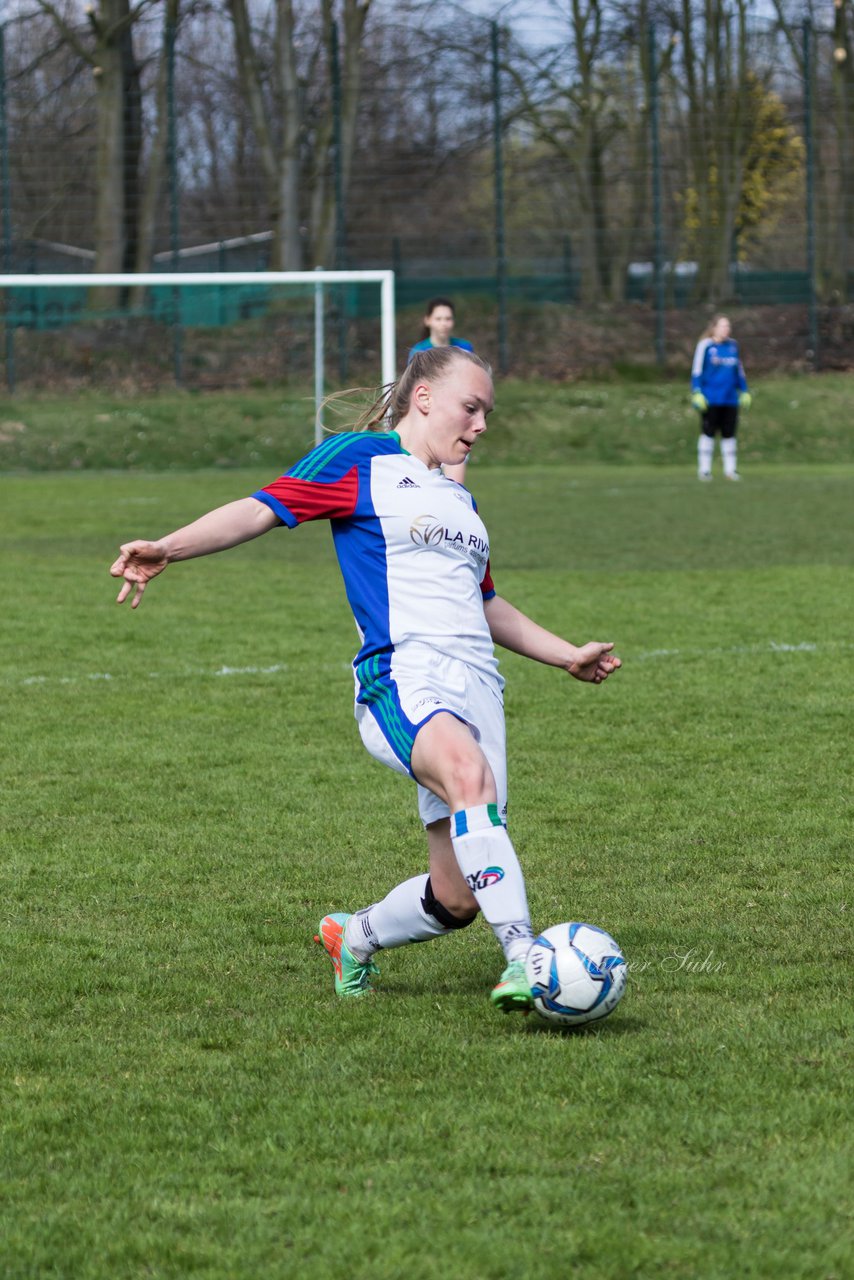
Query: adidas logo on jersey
[(406, 483)]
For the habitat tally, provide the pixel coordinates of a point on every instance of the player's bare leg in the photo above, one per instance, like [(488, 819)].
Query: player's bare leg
[(447, 759)]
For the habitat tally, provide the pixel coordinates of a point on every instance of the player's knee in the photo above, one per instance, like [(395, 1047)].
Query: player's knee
[(470, 781), (451, 914)]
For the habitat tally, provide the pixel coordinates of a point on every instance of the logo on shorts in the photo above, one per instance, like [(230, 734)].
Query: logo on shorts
[(429, 701), (486, 878), (426, 531)]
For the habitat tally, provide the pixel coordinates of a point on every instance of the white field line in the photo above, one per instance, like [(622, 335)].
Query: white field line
[(769, 646), (189, 673), (281, 668)]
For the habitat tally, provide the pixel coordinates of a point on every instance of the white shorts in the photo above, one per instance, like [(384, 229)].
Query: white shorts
[(397, 693)]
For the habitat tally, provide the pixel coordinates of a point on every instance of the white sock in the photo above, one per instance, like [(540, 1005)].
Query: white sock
[(400, 918), (728, 449), (488, 861), (705, 451)]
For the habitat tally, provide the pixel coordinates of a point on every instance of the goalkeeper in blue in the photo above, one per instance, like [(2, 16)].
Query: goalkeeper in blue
[(415, 559), (718, 390)]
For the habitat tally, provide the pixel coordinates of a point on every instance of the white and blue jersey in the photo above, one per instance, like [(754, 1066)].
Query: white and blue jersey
[(412, 549), (717, 371)]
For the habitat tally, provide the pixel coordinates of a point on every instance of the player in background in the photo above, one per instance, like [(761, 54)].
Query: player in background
[(414, 555), (438, 328), (437, 331), (718, 389)]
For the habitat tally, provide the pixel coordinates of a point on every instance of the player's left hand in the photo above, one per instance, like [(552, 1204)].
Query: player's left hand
[(745, 399), (594, 662)]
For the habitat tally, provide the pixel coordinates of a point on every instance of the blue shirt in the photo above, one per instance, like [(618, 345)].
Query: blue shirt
[(717, 371), (427, 345)]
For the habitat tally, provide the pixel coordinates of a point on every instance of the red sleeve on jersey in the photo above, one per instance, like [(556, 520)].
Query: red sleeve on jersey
[(487, 586), (315, 500)]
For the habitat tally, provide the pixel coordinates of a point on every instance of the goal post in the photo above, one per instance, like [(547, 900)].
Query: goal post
[(318, 281)]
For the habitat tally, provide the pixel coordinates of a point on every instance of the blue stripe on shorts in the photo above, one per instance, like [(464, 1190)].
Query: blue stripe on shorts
[(378, 691)]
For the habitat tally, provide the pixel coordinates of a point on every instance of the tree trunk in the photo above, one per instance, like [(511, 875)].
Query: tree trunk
[(110, 205), (351, 59), (118, 133), (591, 193), (132, 129), (153, 183), (287, 247), (843, 84), (729, 91), (715, 67), (249, 77)]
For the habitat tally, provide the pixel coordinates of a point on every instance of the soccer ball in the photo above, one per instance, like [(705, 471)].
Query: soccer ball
[(577, 974)]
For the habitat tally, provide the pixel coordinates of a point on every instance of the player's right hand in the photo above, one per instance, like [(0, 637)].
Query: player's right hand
[(699, 401), (138, 562)]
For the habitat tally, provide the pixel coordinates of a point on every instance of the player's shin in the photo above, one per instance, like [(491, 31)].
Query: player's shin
[(408, 913), (705, 452), (488, 861)]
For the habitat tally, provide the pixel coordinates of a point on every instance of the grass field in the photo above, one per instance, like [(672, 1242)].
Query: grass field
[(629, 419), (184, 795)]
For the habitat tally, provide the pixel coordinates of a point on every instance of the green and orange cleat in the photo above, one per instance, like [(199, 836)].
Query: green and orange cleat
[(352, 977), (513, 992)]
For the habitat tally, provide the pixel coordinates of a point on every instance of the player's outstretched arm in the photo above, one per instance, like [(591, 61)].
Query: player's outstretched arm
[(140, 561), (514, 630)]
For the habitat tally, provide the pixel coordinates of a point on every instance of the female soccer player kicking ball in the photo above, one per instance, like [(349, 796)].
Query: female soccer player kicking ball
[(414, 555)]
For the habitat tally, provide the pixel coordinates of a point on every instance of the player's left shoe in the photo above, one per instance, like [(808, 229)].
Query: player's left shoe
[(513, 992), (352, 977), (732, 475)]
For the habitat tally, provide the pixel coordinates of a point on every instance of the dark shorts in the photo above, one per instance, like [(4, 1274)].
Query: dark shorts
[(720, 417)]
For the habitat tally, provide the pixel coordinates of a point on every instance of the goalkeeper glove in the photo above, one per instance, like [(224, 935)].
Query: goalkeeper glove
[(699, 401), (745, 399)]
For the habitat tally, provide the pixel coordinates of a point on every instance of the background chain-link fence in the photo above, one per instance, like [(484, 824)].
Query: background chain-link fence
[(588, 183)]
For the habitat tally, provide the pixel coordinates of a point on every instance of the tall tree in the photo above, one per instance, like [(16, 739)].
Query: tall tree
[(152, 182), (586, 100), (713, 81), (831, 75), (569, 109), (279, 102), (344, 51), (843, 92), (108, 49)]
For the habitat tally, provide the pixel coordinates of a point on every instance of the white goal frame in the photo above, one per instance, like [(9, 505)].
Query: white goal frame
[(319, 278)]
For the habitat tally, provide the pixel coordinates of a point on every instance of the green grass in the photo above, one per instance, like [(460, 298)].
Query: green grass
[(184, 794), (626, 420)]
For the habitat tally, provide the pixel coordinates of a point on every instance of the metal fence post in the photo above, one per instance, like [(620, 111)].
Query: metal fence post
[(319, 359), (174, 230), (340, 211), (7, 212), (656, 200), (810, 158), (500, 250), (567, 267)]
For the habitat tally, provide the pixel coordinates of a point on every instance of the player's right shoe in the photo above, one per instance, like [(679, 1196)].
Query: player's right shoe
[(513, 992), (352, 977)]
